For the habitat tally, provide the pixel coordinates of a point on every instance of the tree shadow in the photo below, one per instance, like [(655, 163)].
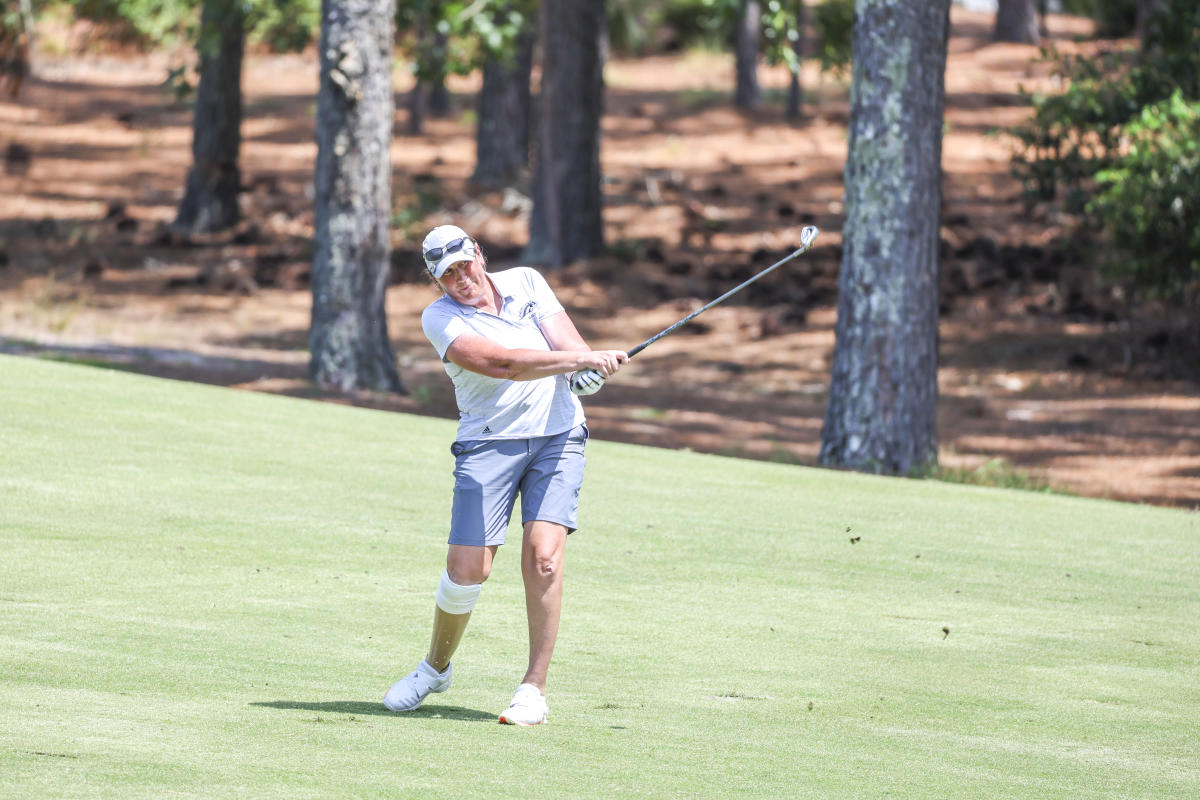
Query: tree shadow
[(361, 708)]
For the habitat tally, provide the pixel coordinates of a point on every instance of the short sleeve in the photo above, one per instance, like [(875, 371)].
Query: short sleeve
[(442, 327), (547, 302)]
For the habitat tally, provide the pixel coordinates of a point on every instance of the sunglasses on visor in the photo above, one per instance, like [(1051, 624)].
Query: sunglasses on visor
[(435, 255)]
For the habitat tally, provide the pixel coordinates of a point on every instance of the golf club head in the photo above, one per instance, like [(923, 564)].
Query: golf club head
[(807, 235)]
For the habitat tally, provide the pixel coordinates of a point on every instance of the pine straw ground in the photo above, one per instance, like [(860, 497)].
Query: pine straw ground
[(1046, 378)]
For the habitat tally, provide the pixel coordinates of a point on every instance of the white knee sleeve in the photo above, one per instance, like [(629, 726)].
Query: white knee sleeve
[(455, 599)]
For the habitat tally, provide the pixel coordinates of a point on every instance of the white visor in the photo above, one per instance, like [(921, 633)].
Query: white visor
[(445, 246)]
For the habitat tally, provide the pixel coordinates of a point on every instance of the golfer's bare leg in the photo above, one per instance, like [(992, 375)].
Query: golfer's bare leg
[(543, 551), (467, 566)]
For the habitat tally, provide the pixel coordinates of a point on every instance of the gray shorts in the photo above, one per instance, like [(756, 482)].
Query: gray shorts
[(547, 471)]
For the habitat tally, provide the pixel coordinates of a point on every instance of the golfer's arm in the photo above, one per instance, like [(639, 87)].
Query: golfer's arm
[(561, 333), (484, 356)]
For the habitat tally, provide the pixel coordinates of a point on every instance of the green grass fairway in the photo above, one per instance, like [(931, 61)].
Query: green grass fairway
[(206, 592)]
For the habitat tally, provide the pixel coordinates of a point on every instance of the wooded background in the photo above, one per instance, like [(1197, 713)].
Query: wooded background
[(1115, 151)]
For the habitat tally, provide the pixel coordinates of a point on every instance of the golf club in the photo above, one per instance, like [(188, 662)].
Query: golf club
[(588, 381)]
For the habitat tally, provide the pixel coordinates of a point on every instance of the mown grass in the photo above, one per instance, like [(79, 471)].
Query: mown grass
[(206, 592)]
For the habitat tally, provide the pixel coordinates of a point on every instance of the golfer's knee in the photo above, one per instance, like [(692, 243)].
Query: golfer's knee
[(468, 575), (545, 564), (468, 571)]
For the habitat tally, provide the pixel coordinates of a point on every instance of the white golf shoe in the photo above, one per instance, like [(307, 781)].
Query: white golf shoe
[(409, 692), (528, 707)]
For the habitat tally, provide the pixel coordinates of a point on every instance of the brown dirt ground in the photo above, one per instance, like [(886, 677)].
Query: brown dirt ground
[(1040, 364)]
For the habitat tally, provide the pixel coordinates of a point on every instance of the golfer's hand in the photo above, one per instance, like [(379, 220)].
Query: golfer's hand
[(601, 364), (586, 381), (606, 362)]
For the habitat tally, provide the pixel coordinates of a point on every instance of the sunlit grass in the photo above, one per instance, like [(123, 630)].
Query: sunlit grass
[(206, 592)]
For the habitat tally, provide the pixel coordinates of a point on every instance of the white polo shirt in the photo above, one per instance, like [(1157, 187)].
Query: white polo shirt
[(495, 408)]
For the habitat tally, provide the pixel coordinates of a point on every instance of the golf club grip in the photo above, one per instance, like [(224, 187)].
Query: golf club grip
[(807, 237), (635, 350)]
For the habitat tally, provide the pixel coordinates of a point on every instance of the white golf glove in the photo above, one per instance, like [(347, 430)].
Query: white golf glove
[(586, 381)]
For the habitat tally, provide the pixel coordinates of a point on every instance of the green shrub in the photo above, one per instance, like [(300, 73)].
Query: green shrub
[(781, 32), (700, 23), (1149, 199), (833, 21), (1120, 145), (996, 472), (1172, 40), (151, 22), (470, 34), (280, 25), (284, 26), (1113, 18), (1075, 133)]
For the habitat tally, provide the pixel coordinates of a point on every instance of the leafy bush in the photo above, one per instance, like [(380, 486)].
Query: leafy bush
[(495, 28), (1113, 17), (637, 27), (453, 37), (284, 26), (279, 25), (1149, 199), (1118, 146), (781, 32), (701, 23), (834, 23), (1075, 133), (1172, 42), (995, 472), (166, 22)]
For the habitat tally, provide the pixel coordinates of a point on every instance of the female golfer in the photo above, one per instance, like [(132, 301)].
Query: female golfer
[(509, 347)]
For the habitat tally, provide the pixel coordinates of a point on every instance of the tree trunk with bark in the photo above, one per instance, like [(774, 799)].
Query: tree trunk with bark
[(795, 97), (503, 108), (882, 408), (1147, 9), (429, 95), (747, 93), (210, 199), (439, 96), (1016, 21), (567, 223), (348, 340), (16, 48), (416, 108)]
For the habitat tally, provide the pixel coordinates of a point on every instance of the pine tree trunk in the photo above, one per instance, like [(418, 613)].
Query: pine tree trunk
[(1147, 9), (429, 95), (881, 413), (348, 340), (747, 93), (1016, 21), (16, 48), (416, 108), (795, 97), (439, 95), (210, 200), (567, 223), (503, 108)]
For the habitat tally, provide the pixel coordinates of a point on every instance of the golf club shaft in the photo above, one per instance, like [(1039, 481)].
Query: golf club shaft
[(807, 236)]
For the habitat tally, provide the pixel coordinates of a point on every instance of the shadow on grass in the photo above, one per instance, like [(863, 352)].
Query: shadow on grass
[(359, 708)]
